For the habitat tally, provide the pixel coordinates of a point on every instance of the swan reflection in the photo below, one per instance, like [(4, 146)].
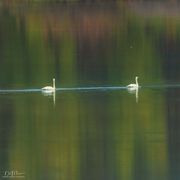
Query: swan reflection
[(53, 93), (134, 91)]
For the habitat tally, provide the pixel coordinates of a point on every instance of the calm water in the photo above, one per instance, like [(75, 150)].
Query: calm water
[(92, 128)]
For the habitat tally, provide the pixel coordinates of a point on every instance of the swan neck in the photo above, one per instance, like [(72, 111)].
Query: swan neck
[(136, 81), (54, 83)]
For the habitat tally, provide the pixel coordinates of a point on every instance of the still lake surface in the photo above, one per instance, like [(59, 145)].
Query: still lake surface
[(92, 128)]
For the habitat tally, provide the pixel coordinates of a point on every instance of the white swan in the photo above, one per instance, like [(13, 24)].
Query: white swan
[(133, 87), (49, 89)]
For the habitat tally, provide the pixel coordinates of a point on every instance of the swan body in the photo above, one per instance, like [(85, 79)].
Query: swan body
[(133, 87), (49, 89)]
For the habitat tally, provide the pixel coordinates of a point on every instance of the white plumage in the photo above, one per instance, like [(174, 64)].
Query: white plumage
[(49, 89), (132, 87)]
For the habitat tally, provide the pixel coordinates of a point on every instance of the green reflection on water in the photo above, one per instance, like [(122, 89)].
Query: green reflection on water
[(89, 134)]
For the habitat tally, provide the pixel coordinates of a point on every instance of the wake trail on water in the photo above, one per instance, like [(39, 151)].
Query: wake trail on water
[(90, 88), (99, 88), (162, 86)]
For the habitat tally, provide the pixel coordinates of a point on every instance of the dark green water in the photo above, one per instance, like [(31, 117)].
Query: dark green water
[(100, 131)]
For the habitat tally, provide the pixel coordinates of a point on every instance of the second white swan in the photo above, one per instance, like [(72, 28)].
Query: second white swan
[(49, 89)]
